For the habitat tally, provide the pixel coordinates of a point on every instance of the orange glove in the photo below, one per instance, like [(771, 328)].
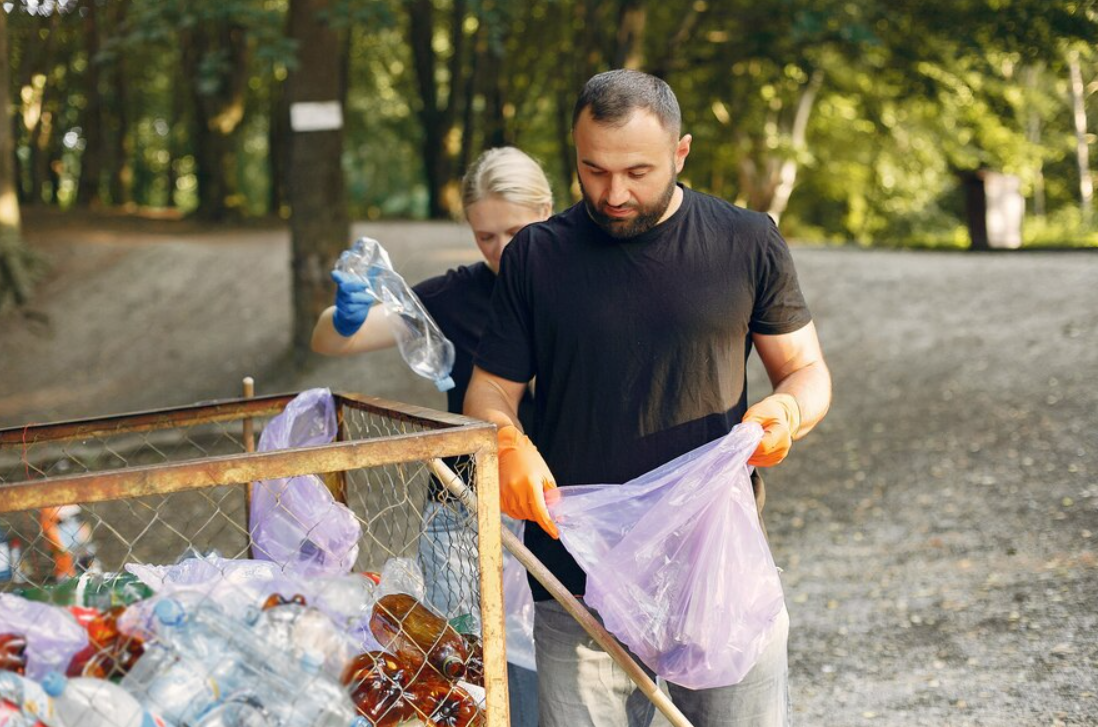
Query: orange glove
[(780, 417), (523, 480)]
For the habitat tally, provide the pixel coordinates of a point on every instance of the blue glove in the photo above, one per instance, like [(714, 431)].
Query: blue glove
[(352, 303)]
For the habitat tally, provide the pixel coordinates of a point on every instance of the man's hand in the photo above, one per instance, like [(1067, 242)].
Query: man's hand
[(523, 479), (352, 303), (780, 417)]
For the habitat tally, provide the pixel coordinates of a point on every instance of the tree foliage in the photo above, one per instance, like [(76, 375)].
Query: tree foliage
[(847, 120)]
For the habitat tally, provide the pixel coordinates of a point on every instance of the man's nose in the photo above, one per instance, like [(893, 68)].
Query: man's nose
[(618, 194)]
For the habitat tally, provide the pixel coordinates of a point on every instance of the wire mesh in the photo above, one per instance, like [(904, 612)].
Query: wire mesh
[(144, 515)]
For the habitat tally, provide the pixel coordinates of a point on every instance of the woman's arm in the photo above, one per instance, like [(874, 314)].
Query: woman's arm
[(374, 335)]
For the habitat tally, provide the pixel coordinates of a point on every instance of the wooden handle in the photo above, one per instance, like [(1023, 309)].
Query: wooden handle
[(571, 604)]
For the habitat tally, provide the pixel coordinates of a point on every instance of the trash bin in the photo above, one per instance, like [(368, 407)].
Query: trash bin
[(994, 208), (158, 485)]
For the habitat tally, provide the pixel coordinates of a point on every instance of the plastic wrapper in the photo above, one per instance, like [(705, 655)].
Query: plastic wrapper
[(518, 605), (402, 575), (295, 521), (421, 343), (677, 564), (53, 635)]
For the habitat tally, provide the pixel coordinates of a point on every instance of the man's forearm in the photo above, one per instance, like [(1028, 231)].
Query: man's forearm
[(811, 387), (486, 399)]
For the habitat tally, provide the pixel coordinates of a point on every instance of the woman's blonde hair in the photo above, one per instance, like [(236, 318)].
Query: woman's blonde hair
[(507, 173)]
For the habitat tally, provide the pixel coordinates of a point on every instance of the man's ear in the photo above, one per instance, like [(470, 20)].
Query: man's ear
[(682, 151)]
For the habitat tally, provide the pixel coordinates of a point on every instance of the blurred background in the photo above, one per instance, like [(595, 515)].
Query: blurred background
[(939, 123), (849, 121)]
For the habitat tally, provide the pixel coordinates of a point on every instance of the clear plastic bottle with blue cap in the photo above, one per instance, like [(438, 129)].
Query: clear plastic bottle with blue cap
[(422, 345), (87, 702), (178, 688), (25, 702), (229, 653), (317, 699)]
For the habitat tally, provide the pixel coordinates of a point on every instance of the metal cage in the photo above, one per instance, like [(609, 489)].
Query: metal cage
[(154, 486)]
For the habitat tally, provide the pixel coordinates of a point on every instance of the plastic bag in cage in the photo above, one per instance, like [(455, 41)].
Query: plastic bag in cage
[(52, 634), (677, 564), (295, 521), (518, 604)]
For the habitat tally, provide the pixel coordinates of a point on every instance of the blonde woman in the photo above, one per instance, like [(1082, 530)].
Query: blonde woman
[(503, 191)]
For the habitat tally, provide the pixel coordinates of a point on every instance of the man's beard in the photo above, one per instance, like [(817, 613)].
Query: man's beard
[(646, 218)]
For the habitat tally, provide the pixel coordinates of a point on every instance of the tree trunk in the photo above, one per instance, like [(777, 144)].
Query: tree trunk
[(217, 114), (121, 173), (1031, 80), (10, 221), (472, 85), (629, 51), (91, 159), (278, 145), (15, 277), (36, 114), (1082, 152), (178, 126), (441, 145), (314, 180), (787, 172)]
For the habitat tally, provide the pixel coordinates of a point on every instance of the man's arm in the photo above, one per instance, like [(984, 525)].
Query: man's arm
[(523, 475), (802, 391), (493, 399)]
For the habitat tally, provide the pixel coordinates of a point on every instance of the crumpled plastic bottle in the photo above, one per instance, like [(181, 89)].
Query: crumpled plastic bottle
[(421, 343), (86, 702)]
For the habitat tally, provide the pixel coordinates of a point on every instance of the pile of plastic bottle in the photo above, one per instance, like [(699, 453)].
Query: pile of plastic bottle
[(211, 642)]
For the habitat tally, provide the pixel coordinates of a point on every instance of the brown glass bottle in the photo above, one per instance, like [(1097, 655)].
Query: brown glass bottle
[(377, 682), (442, 704), (13, 653), (404, 626), (109, 652), (277, 599), (474, 667)]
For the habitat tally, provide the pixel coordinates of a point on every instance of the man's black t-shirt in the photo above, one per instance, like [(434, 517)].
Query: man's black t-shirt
[(639, 346)]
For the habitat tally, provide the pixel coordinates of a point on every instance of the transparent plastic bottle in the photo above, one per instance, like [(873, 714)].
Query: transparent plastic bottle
[(7, 562), (29, 703), (225, 647), (177, 688), (295, 628), (419, 339), (315, 700), (350, 598), (85, 702), (228, 651)]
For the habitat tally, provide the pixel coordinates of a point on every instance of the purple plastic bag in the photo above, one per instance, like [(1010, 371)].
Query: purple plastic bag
[(295, 521), (53, 635), (677, 564)]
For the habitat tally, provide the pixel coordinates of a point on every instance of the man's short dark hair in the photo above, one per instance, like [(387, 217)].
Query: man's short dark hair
[(613, 96)]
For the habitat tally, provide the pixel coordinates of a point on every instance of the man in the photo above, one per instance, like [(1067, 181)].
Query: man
[(636, 310)]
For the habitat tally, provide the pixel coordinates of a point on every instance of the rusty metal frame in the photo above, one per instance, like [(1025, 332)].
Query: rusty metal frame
[(446, 435)]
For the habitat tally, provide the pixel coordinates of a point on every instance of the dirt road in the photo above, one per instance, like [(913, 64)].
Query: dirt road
[(938, 531)]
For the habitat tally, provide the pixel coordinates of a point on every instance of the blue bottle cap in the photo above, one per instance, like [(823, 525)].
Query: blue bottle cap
[(54, 683), (170, 612), (360, 721), (444, 384), (312, 661)]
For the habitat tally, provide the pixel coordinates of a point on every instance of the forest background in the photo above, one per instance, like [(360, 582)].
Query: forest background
[(846, 121)]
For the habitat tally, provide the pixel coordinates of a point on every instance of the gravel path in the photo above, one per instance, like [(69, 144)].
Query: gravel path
[(938, 530)]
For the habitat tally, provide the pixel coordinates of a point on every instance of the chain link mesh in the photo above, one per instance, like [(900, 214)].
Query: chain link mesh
[(402, 510)]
